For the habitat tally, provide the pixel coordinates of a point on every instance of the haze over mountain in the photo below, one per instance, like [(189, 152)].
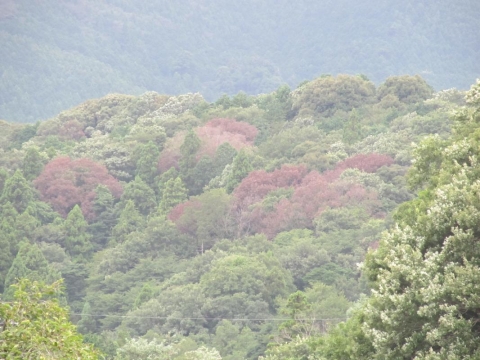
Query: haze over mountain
[(56, 54)]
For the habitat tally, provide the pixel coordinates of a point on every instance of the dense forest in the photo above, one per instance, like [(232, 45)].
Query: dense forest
[(338, 220), (57, 54)]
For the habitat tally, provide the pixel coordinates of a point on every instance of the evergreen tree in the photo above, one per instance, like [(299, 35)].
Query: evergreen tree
[(87, 323), (77, 241), (105, 217), (17, 191), (189, 150), (145, 294), (171, 173), (32, 164), (3, 178), (352, 129), (146, 156), (130, 220), (7, 225), (174, 194), (241, 167), (6, 258), (223, 156), (29, 263), (141, 194), (25, 225), (203, 172)]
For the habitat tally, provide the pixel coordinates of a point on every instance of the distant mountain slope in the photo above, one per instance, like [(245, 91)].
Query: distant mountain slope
[(58, 53)]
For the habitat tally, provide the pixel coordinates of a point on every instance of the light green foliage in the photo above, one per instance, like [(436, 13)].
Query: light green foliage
[(203, 353), (37, 327), (241, 167), (116, 156), (147, 129), (146, 350), (425, 276), (166, 287), (78, 242)]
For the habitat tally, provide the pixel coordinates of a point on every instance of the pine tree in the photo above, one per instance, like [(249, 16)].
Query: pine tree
[(223, 156), (7, 226), (171, 173), (77, 241), (87, 323), (32, 164), (174, 194), (6, 258), (105, 218), (241, 167), (130, 220), (17, 191), (141, 194), (3, 178), (203, 172), (189, 150), (146, 156), (25, 225), (29, 263)]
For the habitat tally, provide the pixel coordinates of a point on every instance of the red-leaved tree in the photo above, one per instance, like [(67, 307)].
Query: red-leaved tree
[(65, 183), (214, 133)]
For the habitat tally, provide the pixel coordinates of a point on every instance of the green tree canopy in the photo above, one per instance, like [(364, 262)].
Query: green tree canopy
[(37, 327)]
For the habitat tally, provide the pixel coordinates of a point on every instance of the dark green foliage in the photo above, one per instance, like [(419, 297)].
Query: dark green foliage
[(130, 220), (165, 273), (17, 191), (203, 172), (174, 193), (146, 158), (78, 241), (406, 89), (32, 164), (141, 194), (189, 149), (29, 263), (170, 174), (223, 156), (105, 217), (3, 178)]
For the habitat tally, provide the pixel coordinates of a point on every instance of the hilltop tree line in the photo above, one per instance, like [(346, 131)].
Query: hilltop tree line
[(183, 229)]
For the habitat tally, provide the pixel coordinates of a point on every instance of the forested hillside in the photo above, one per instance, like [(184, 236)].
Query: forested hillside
[(184, 229), (56, 54)]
